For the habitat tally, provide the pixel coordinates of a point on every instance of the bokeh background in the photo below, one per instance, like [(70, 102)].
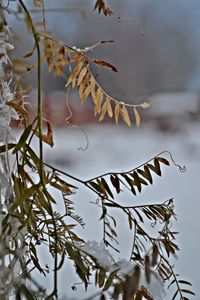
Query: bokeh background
[(157, 51)]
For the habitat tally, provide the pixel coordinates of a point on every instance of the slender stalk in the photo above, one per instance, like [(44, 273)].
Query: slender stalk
[(66, 174), (39, 82)]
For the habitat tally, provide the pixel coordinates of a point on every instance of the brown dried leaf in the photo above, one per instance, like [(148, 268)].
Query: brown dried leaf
[(105, 64), (154, 255), (47, 138), (115, 181), (163, 160), (147, 269), (29, 54)]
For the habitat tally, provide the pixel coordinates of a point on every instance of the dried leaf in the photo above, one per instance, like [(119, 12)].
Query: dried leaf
[(92, 89), (109, 107), (117, 110), (137, 117), (102, 277), (187, 291), (137, 181), (92, 84), (81, 75), (163, 160), (69, 81), (99, 98), (29, 54), (81, 90), (115, 181), (156, 167), (103, 111), (105, 64), (6, 147), (107, 188), (130, 221), (47, 138), (125, 116), (147, 269), (76, 70), (184, 282), (86, 93), (110, 279), (154, 255), (146, 173)]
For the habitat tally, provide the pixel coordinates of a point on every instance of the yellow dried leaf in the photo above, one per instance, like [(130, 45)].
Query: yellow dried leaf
[(93, 94), (137, 117), (103, 112), (81, 75), (125, 116), (85, 79), (59, 70), (81, 90), (75, 58), (86, 93), (99, 98), (73, 82), (68, 81), (92, 83), (92, 89), (76, 70), (109, 108), (117, 110), (61, 52)]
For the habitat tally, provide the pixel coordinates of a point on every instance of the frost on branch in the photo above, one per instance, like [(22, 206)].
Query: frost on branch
[(6, 112), (12, 249)]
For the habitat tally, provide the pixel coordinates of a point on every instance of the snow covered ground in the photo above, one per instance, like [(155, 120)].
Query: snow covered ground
[(120, 149)]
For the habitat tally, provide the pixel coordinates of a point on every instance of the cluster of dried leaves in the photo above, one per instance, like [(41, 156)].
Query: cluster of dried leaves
[(82, 78), (75, 65)]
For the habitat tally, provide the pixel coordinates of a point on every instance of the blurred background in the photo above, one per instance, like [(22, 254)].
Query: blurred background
[(157, 51)]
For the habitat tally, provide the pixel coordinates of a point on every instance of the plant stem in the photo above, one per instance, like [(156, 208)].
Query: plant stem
[(39, 81)]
